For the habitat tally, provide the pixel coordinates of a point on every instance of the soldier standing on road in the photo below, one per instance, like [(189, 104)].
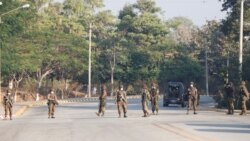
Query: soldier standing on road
[(229, 90), (192, 98), (154, 94), (121, 100), (52, 102), (244, 97), (102, 99), (8, 104), (144, 100)]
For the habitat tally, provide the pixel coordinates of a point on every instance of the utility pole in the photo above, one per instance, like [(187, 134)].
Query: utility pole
[(241, 39), (206, 71), (89, 84), (112, 64)]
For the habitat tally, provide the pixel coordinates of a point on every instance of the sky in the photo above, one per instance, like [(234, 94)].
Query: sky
[(199, 11)]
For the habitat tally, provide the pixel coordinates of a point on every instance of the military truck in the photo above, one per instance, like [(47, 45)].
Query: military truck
[(174, 94)]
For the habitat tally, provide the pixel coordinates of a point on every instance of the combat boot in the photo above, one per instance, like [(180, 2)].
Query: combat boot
[(157, 113), (243, 113)]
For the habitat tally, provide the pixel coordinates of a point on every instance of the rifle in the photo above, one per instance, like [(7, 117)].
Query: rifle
[(7, 99)]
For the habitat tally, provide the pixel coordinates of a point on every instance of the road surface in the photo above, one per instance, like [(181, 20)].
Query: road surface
[(78, 122)]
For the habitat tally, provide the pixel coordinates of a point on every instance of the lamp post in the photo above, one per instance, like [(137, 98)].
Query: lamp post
[(206, 71), (3, 14), (89, 83), (24, 6), (241, 39)]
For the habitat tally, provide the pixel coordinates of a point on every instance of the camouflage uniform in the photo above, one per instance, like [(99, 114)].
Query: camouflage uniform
[(144, 100), (244, 96), (154, 94), (229, 90), (8, 104), (102, 99), (192, 98), (52, 101), (121, 100)]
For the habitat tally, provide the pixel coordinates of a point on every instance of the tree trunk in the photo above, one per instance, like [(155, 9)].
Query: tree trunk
[(40, 82)]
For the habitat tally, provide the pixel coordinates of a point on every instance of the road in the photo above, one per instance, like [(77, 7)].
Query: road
[(78, 122)]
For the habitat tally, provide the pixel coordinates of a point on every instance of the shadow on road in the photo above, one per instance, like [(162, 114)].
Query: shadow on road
[(224, 128)]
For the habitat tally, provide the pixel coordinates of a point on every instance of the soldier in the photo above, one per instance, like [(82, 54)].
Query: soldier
[(144, 100), (8, 104), (154, 95), (244, 96), (121, 100), (102, 100), (192, 98), (229, 90), (52, 101)]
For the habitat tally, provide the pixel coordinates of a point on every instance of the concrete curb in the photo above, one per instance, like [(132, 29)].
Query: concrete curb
[(225, 111)]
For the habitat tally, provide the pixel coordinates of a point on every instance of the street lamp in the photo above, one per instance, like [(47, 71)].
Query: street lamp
[(241, 38), (23, 6), (89, 73), (26, 6)]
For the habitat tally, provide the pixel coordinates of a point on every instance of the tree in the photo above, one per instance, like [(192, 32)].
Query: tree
[(143, 32)]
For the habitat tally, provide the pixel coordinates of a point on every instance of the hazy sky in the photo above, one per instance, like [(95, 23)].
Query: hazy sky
[(197, 10)]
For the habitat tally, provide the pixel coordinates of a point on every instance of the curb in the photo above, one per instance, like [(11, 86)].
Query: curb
[(225, 111)]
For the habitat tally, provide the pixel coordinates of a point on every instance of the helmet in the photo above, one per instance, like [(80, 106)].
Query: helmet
[(104, 87), (121, 87), (243, 82)]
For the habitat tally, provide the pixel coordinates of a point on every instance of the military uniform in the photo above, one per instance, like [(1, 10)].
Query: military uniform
[(154, 94), (121, 100), (192, 98), (102, 99), (52, 101), (244, 96), (8, 104), (229, 91), (145, 97)]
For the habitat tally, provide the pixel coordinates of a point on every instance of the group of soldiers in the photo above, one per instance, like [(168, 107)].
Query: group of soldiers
[(121, 100), (230, 96), (147, 95)]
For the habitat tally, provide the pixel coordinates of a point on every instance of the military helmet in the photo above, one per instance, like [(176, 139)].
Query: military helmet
[(243, 82), (104, 87)]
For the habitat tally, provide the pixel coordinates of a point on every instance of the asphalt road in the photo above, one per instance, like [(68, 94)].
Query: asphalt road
[(78, 122)]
